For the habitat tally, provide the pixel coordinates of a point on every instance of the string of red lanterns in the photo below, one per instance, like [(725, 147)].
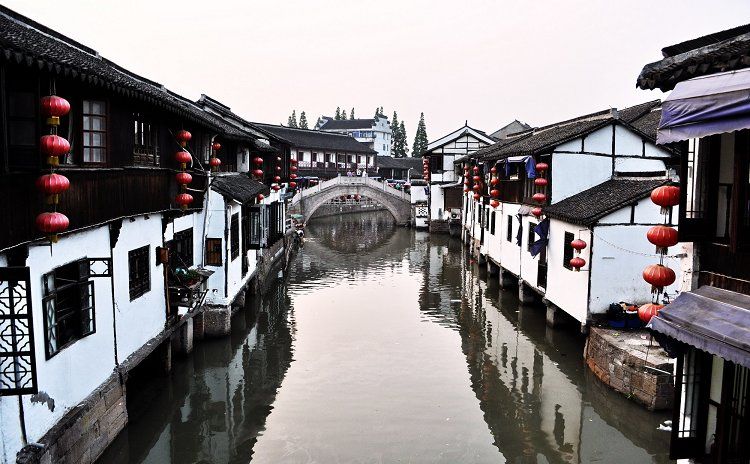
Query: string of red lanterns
[(577, 262), (477, 187), (215, 161), (540, 197), (277, 178), (494, 191), (183, 178), (426, 168), (54, 147), (258, 171), (663, 237), (293, 173)]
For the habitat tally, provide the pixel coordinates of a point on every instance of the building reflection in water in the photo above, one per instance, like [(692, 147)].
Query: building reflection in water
[(539, 400)]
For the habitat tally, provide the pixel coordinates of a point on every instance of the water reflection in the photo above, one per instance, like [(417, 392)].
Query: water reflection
[(386, 346)]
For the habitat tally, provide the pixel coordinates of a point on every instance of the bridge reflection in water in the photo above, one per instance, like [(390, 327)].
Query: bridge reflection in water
[(385, 346)]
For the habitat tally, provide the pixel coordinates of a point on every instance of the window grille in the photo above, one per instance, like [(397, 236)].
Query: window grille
[(139, 270), (94, 131), (145, 141), (17, 359), (568, 250), (234, 236), (181, 249), (213, 252)]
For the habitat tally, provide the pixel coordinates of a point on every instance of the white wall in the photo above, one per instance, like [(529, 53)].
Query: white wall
[(574, 173), (567, 289), (142, 318)]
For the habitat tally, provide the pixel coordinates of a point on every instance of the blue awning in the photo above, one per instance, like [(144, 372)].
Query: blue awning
[(710, 319), (706, 105), (527, 161)]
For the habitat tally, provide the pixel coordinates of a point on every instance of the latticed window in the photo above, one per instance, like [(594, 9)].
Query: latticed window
[(181, 248), (68, 306), (213, 252), (139, 271), (145, 141), (568, 250), (234, 236), (94, 131), (17, 363)]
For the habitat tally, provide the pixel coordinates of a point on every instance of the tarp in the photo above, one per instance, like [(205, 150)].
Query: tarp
[(706, 105), (710, 319), (527, 161), (542, 231)]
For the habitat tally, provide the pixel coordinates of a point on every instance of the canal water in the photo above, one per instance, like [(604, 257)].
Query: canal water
[(386, 345)]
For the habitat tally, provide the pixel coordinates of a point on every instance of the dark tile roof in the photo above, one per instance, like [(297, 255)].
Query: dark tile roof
[(306, 138), (722, 51), (333, 124), (238, 186), (26, 42), (513, 127), (541, 139), (587, 207), (390, 162)]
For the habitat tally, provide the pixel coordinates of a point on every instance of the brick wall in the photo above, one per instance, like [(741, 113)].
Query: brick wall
[(85, 431), (622, 361)]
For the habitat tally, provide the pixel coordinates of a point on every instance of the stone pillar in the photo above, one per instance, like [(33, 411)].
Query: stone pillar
[(165, 355), (198, 332), (505, 278), (182, 340), (217, 321), (525, 294), (554, 315)]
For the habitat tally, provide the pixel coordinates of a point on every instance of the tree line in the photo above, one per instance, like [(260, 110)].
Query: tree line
[(399, 144)]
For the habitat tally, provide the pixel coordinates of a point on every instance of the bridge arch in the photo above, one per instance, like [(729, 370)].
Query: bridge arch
[(395, 201)]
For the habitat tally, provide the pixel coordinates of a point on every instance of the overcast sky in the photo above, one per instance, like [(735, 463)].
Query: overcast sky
[(487, 62)]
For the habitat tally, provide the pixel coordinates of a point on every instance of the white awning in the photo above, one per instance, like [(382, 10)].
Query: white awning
[(706, 105)]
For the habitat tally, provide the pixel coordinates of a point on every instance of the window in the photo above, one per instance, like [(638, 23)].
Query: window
[(509, 234), (94, 131), (234, 236), (68, 306), (22, 122), (487, 218), (255, 228), (145, 141), (359, 159), (275, 222), (351, 158), (329, 157), (213, 252), (532, 236), (692, 384), (695, 182), (181, 249), (314, 157), (492, 223), (139, 271), (568, 250)]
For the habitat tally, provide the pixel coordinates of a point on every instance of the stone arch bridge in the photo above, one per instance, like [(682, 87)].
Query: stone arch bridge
[(398, 203)]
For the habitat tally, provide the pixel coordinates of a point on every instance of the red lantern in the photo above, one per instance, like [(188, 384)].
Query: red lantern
[(183, 158), (494, 181), (476, 169), (666, 196), (663, 237), (539, 197), (467, 183), (476, 178), (216, 146), (466, 189), (52, 184), (540, 181), (658, 276), (258, 160), (278, 168), (541, 167), (276, 178), (292, 176), (493, 170), (183, 199), (495, 193), (477, 196), (648, 311), (578, 244), (260, 197), (292, 185), (258, 173), (52, 223), (53, 108), (577, 263), (293, 161), (537, 211), (183, 178), (183, 137), (477, 187), (275, 187), (214, 162), (293, 168), (54, 146), (494, 203)]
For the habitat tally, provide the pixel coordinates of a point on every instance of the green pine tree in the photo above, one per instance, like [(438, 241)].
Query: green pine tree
[(337, 116), (303, 121), (394, 133), (404, 144), (351, 115), (292, 121), (381, 112), (420, 138), (343, 114), (377, 112)]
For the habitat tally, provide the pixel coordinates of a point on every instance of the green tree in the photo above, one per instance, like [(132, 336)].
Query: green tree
[(420, 138), (394, 133), (337, 116), (351, 114), (403, 142), (377, 112), (343, 114), (303, 121), (292, 121), (381, 112)]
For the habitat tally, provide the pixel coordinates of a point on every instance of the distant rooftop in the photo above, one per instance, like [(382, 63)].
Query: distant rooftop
[(313, 139)]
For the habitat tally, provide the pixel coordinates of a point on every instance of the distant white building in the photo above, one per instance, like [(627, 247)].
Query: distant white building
[(374, 132)]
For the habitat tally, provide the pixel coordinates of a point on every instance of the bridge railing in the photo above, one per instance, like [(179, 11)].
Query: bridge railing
[(346, 181)]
